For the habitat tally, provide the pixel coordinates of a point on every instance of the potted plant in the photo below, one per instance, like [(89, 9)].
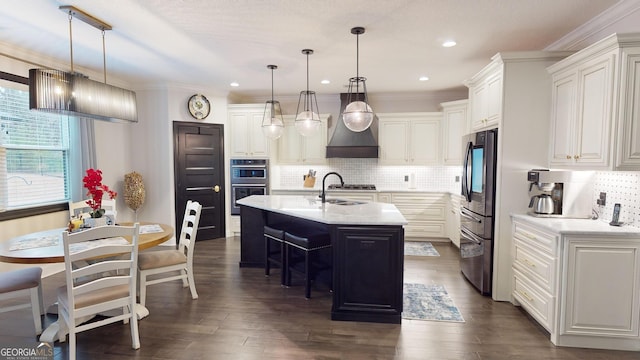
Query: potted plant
[(96, 190)]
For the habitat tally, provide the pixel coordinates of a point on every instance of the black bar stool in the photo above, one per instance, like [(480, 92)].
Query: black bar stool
[(309, 244), (274, 256)]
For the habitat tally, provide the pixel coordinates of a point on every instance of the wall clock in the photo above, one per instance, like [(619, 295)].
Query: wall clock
[(199, 106)]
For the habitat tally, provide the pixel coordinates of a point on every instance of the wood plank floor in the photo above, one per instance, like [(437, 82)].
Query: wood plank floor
[(241, 314)]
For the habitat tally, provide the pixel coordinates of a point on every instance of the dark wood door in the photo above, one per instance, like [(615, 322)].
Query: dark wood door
[(199, 175)]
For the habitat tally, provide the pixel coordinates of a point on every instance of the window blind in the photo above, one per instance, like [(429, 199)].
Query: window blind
[(34, 167)]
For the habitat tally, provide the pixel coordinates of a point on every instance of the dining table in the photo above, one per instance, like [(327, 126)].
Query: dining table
[(44, 247)]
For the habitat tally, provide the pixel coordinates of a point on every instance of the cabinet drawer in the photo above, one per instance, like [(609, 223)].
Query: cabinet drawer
[(537, 265), (417, 198), (425, 229), (428, 212), (535, 237), (537, 302)]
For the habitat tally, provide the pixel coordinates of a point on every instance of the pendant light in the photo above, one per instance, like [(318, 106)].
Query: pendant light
[(272, 124), (357, 115), (74, 94), (307, 118)]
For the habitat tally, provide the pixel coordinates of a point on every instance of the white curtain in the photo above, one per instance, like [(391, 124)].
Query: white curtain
[(83, 155)]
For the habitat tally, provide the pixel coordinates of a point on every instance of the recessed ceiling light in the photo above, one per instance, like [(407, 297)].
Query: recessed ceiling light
[(325, 82), (423, 78), (449, 43), (234, 84)]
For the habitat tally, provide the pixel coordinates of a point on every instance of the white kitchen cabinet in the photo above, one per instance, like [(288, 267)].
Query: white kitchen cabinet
[(581, 113), (453, 219), (454, 126), (594, 112), (247, 139), (583, 288), (601, 291), (295, 149), (409, 138), (534, 272), (425, 212), (485, 98)]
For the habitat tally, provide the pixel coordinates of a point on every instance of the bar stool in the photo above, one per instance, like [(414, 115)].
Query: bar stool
[(275, 257), (310, 244)]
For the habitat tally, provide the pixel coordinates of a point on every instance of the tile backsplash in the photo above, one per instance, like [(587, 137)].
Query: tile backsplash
[(367, 171), (621, 187)]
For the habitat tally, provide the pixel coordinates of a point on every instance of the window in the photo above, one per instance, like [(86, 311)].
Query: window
[(34, 150)]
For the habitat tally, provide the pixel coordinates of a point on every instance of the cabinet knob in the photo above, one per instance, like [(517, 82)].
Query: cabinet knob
[(576, 157), (569, 157)]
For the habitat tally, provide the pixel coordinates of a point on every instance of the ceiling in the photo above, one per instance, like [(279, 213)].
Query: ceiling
[(211, 43)]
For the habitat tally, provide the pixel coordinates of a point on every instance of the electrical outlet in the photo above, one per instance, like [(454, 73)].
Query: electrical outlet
[(602, 200)]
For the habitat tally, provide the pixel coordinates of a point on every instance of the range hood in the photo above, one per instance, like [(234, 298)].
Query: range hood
[(349, 144)]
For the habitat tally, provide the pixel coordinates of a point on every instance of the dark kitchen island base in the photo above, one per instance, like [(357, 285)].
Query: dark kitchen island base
[(368, 262)]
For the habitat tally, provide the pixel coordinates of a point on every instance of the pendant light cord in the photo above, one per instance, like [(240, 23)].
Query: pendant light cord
[(71, 41), (104, 59), (357, 65), (306, 103)]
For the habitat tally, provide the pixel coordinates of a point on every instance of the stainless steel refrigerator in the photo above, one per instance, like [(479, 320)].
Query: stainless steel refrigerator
[(477, 208)]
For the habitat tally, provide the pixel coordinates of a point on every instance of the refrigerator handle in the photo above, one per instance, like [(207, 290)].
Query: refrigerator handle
[(467, 214), (466, 173), (470, 236)]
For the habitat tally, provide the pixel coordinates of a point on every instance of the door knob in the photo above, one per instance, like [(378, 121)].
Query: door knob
[(216, 188)]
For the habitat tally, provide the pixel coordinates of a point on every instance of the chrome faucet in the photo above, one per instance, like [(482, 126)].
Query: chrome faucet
[(322, 196)]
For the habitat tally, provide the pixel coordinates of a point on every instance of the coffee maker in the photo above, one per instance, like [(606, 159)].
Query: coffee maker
[(559, 193)]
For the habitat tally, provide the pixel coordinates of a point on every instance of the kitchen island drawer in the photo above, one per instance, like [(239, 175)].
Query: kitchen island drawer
[(537, 302), (535, 237), (537, 265)]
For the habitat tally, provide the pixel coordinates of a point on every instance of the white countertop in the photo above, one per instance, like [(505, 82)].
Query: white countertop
[(377, 190), (590, 227), (311, 208)]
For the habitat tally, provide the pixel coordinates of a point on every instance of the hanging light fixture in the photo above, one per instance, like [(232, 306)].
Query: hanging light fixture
[(272, 123), (307, 118), (73, 93), (357, 115)]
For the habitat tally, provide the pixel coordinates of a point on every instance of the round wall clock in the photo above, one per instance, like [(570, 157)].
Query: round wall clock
[(199, 106)]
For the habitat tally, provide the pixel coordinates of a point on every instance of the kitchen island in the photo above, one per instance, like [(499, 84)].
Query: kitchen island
[(367, 241)]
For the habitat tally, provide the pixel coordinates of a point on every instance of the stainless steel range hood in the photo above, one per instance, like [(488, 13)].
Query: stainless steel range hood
[(348, 144)]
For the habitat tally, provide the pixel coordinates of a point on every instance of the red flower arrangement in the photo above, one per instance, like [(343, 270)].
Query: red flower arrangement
[(95, 189)]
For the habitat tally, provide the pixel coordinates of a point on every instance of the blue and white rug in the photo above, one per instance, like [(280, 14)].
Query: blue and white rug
[(428, 302), (420, 248)]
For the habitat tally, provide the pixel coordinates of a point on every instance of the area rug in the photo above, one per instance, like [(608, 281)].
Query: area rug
[(420, 248), (429, 302)]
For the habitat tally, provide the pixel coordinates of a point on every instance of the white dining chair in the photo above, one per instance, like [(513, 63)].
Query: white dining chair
[(23, 283), (166, 263), (98, 279)]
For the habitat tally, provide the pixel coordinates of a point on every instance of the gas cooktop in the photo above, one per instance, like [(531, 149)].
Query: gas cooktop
[(352, 187)]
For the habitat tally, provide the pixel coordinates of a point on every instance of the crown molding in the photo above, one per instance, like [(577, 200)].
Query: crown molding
[(577, 38)]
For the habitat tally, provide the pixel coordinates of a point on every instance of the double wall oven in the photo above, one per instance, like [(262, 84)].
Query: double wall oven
[(477, 208), (248, 177)]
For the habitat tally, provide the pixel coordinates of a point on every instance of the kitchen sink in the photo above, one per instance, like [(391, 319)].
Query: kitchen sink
[(343, 202)]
